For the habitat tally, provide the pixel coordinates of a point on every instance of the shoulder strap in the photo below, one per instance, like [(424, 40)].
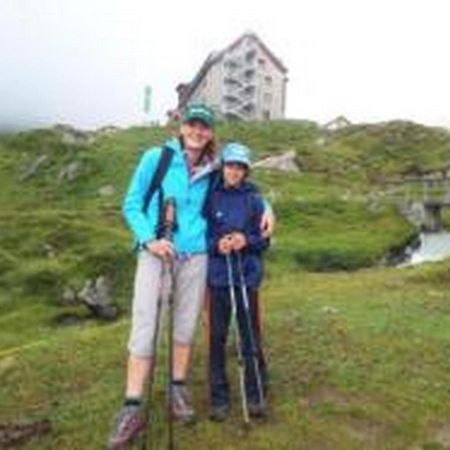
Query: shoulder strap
[(161, 170), (214, 178)]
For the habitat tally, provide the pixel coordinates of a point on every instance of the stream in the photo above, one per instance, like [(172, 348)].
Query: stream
[(434, 246)]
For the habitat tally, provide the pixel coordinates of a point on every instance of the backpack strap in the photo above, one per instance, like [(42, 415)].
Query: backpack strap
[(214, 179), (161, 170)]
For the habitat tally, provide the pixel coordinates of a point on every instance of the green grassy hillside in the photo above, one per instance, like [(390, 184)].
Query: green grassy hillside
[(358, 352)]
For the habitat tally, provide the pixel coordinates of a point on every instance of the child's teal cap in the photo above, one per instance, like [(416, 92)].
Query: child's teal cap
[(236, 153)]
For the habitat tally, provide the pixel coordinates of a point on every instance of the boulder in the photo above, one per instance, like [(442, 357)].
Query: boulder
[(71, 172), (286, 162), (68, 297), (108, 130), (32, 170), (97, 297), (72, 136), (106, 191), (48, 250)]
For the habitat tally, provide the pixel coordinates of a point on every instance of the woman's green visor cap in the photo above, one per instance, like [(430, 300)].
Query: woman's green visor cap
[(199, 112)]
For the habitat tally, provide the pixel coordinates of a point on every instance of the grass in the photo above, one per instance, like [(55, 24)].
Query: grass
[(358, 353), (358, 360)]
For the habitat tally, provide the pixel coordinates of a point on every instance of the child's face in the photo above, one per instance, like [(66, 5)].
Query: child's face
[(234, 174)]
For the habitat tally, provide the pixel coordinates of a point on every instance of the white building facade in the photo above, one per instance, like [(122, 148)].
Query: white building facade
[(245, 81)]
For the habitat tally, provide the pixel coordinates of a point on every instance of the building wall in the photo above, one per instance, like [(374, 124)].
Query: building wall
[(210, 89), (268, 101), (271, 88)]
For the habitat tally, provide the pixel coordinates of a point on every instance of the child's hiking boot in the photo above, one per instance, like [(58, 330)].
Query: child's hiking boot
[(257, 410), (219, 413)]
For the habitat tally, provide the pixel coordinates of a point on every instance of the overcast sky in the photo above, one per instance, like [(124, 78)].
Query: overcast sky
[(86, 62)]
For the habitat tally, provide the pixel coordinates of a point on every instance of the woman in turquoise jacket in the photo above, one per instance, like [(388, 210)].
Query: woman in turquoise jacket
[(192, 163)]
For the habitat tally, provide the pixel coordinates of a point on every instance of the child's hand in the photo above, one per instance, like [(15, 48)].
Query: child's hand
[(239, 241), (225, 245)]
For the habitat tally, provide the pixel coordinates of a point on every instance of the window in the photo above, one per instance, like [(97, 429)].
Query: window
[(250, 55), (230, 64), (261, 62), (268, 80), (249, 74), (249, 90)]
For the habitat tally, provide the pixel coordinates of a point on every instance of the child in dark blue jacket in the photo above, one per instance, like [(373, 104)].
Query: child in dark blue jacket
[(235, 245)]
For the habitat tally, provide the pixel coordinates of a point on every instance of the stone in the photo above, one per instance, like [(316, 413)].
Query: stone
[(329, 310), (72, 136), (106, 191), (286, 162), (338, 123), (71, 172), (97, 297), (49, 250), (32, 170), (109, 130), (68, 297)]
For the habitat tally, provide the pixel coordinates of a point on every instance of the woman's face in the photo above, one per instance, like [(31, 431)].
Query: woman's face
[(196, 135), (234, 174)]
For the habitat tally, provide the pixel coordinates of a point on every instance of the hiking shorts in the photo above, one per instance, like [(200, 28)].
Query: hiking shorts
[(188, 284)]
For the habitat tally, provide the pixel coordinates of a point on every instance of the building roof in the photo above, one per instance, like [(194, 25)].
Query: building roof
[(215, 57)]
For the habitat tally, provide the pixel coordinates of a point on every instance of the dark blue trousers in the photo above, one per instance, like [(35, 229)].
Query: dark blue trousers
[(220, 316)]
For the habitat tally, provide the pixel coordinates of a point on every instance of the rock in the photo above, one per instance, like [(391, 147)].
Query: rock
[(106, 191), (71, 172), (329, 310), (414, 212), (338, 123), (68, 297), (97, 297), (107, 131), (48, 250), (33, 168), (286, 162), (72, 136)]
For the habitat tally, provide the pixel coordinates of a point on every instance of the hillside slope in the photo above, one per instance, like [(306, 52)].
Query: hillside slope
[(358, 352)]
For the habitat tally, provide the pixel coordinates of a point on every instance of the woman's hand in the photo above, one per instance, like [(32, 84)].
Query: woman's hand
[(161, 248), (267, 224)]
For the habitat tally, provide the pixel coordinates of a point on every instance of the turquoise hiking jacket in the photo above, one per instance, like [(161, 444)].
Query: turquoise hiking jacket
[(189, 195)]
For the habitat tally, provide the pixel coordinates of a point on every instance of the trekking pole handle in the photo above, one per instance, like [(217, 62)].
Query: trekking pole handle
[(169, 219)]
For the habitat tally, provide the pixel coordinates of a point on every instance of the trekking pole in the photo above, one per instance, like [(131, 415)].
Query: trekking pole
[(167, 233), (248, 319), (170, 219), (237, 340)]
